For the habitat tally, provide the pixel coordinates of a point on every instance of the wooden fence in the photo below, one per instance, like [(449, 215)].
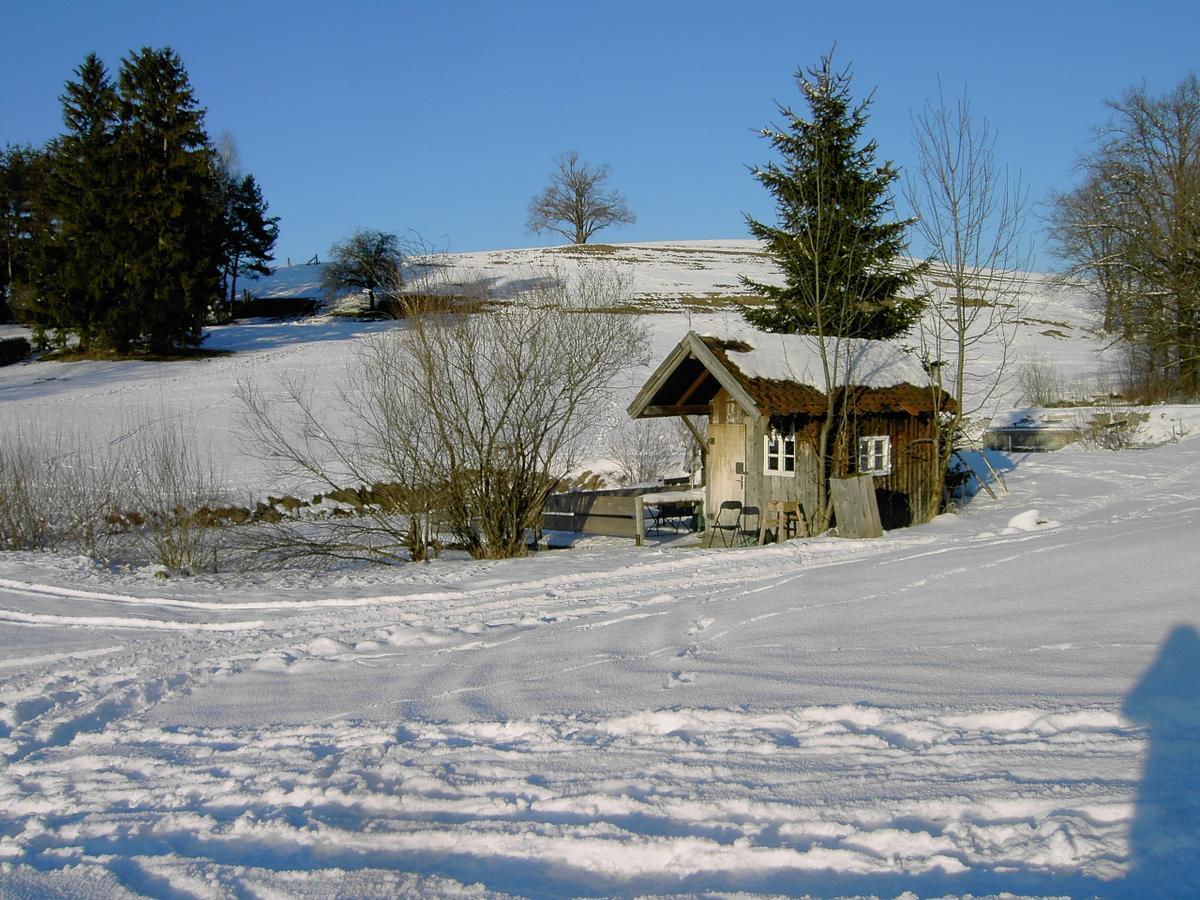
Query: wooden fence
[(617, 512)]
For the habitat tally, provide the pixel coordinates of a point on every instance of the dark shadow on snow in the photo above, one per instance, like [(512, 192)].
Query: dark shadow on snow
[(979, 466), (255, 335), (1164, 840)]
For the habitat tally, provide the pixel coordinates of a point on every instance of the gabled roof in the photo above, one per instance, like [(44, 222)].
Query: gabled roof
[(782, 374)]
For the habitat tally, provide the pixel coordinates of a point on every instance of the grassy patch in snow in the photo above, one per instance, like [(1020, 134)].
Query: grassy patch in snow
[(585, 250)]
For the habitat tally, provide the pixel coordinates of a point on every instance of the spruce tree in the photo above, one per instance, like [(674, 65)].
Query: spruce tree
[(840, 254), (80, 272), (250, 233), (174, 207), (21, 171)]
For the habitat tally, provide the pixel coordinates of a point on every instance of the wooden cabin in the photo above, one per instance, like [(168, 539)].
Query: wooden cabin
[(765, 399)]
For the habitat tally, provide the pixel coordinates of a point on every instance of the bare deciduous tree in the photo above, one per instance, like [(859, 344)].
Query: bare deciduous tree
[(577, 203), (644, 449), (370, 260), (971, 215), (480, 415), (1132, 227)]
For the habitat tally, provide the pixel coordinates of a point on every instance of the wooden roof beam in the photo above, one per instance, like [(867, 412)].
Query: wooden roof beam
[(687, 395)]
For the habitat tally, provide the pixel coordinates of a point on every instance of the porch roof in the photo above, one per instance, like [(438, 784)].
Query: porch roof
[(775, 374)]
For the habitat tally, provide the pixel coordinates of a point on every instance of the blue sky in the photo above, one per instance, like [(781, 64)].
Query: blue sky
[(446, 117)]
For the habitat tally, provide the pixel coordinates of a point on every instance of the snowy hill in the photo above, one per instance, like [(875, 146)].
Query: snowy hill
[(677, 287), (1000, 702)]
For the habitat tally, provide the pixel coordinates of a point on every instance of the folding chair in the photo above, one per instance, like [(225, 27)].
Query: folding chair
[(726, 521), (748, 525)]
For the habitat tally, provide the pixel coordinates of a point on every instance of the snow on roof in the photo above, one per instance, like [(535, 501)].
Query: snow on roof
[(286, 282), (797, 358)]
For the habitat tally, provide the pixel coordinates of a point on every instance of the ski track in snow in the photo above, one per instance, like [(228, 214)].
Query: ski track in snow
[(851, 797), (938, 712)]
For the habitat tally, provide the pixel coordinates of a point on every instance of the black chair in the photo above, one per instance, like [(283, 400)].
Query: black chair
[(726, 521), (748, 525)]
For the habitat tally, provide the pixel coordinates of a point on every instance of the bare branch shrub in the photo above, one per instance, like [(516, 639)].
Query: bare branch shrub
[(644, 449), (1041, 382), (168, 484), (56, 491), (344, 445), (473, 418), (1112, 426), (496, 407)]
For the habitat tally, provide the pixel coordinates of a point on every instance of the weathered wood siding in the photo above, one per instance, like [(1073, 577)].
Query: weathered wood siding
[(905, 496), (800, 485), (727, 446), (908, 495)]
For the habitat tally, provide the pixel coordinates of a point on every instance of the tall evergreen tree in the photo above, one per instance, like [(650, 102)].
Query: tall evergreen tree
[(174, 207), (21, 171), (840, 254), (81, 275), (250, 233)]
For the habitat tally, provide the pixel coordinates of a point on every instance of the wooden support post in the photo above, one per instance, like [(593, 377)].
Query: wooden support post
[(978, 477)]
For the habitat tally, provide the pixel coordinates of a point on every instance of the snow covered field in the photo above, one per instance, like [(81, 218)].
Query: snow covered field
[(1004, 700)]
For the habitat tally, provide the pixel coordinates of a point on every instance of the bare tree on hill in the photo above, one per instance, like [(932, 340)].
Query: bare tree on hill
[(576, 203), (369, 260)]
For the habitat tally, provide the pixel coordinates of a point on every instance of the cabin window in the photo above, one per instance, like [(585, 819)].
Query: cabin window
[(875, 455), (780, 452)]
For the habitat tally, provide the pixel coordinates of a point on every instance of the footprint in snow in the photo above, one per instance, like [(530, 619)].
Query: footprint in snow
[(699, 625), (678, 679)]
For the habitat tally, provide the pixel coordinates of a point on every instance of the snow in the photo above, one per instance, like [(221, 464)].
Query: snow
[(999, 702), (301, 280), (803, 359)]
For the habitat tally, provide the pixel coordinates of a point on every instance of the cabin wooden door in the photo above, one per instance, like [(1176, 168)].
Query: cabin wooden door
[(726, 466)]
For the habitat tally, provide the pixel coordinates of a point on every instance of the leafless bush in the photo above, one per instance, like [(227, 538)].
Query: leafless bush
[(1111, 426), (644, 449), (56, 490), (26, 520), (475, 416), (327, 442), (1041, 382), (169, 482), (60, 489)]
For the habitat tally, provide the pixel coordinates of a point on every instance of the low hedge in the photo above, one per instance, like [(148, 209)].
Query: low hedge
[(13, 350), (274, 308)]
